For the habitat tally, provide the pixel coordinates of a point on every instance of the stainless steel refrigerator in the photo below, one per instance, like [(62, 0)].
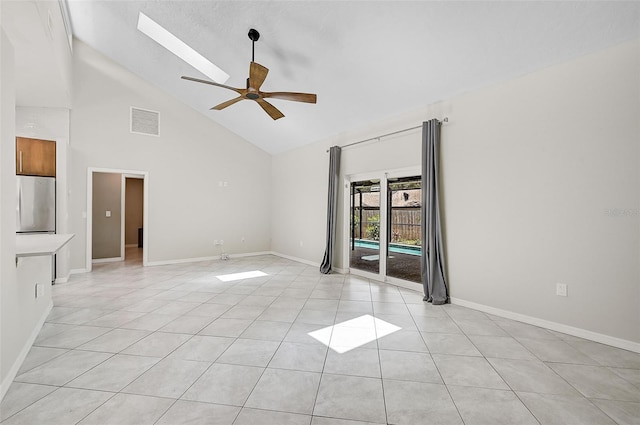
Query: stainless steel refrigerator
[(36, 205)]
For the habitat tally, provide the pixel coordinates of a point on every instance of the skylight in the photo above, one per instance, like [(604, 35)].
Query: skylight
[(346, 336), (179, 48)]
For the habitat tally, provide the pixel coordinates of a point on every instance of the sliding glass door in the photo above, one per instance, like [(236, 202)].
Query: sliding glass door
[(384, 223), (365, 226), (404, 238)]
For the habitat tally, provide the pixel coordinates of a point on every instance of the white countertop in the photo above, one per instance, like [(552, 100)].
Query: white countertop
[(40, 244)]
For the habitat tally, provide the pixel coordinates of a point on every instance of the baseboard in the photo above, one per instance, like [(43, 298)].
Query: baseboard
[(182, 261), (554, 326), (6, 382), (63, 279), (296, 259), (250, 254), (78, 271), (199, 259), (107, 260)]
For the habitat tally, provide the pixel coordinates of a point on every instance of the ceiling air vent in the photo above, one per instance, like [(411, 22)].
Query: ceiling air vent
[(144, 121)]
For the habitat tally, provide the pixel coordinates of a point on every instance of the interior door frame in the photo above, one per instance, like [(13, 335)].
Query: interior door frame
[(144, 175), (123, 210), (383, 176)]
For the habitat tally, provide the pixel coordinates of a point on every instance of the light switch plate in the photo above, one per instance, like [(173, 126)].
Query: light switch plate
[(107, 213)]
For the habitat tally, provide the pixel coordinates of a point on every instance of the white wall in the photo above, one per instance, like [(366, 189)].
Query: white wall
[(563, 151), (300, 202), (9, 351), (188, 208), (530, 169), (21, 314)]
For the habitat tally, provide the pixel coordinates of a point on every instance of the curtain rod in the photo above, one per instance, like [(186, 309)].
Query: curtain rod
[(445, 119)]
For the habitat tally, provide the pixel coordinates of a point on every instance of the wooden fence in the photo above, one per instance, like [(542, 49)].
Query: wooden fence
[(405, 224)]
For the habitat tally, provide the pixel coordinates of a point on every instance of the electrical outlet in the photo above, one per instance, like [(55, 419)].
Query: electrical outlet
[(107, 213), (561, 289), (39, 290)]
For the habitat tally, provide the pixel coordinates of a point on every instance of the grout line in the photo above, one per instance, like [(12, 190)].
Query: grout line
[(100, 279), (375, 329), (420, 332), (326, 354), (213, 362), (35, 401), (496, 371)]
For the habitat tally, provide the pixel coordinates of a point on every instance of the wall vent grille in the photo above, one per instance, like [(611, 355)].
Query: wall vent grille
[(144, 121)]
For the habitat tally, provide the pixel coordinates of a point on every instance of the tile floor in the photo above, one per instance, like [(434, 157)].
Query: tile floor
[(175, 344)]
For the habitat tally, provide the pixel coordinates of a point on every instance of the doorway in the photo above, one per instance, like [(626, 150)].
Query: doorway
[(133, 218), (107, 215), (384, 239)]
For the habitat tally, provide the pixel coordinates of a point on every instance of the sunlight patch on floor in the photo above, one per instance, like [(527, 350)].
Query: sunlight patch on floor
[(354, 333), (241, 276)]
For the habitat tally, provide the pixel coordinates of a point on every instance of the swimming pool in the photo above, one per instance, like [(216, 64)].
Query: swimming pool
[(393, 247)]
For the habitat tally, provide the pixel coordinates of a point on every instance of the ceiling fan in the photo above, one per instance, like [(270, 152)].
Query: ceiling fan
[(257, 75)]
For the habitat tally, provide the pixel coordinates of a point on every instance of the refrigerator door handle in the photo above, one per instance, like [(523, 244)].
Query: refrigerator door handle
[(19, 205)]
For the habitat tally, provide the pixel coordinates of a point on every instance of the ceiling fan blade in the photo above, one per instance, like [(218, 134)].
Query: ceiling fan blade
[(198, 80), (296, 97), (257, 75), (223, 105), (270, 109)]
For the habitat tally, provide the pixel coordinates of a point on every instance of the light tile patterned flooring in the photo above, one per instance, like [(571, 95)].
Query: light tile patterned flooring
[(174, 344)]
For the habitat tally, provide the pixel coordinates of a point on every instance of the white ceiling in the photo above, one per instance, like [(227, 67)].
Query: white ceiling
[(365, 60)]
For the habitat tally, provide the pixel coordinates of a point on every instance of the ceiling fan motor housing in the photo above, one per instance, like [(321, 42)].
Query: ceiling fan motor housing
[(254, 35)]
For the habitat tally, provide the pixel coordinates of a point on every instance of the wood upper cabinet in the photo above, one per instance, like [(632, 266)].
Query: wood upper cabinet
[(35, 157)]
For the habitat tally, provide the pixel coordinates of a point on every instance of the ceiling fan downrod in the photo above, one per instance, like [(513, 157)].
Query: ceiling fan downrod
[(254, 35)]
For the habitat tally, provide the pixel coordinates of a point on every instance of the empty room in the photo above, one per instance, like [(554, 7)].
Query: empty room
[(319, 212)]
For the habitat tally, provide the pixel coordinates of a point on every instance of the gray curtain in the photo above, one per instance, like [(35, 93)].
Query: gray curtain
[(434, 279), (332, 208)]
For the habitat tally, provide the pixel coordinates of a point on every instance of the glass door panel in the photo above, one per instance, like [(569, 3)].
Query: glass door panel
[(364, 241), (404, 228)]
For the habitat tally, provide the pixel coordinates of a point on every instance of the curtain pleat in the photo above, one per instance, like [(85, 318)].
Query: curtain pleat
[(332, 208), (434, 280)]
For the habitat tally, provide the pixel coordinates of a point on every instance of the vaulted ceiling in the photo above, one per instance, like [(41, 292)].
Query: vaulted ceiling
[(365, 60)]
